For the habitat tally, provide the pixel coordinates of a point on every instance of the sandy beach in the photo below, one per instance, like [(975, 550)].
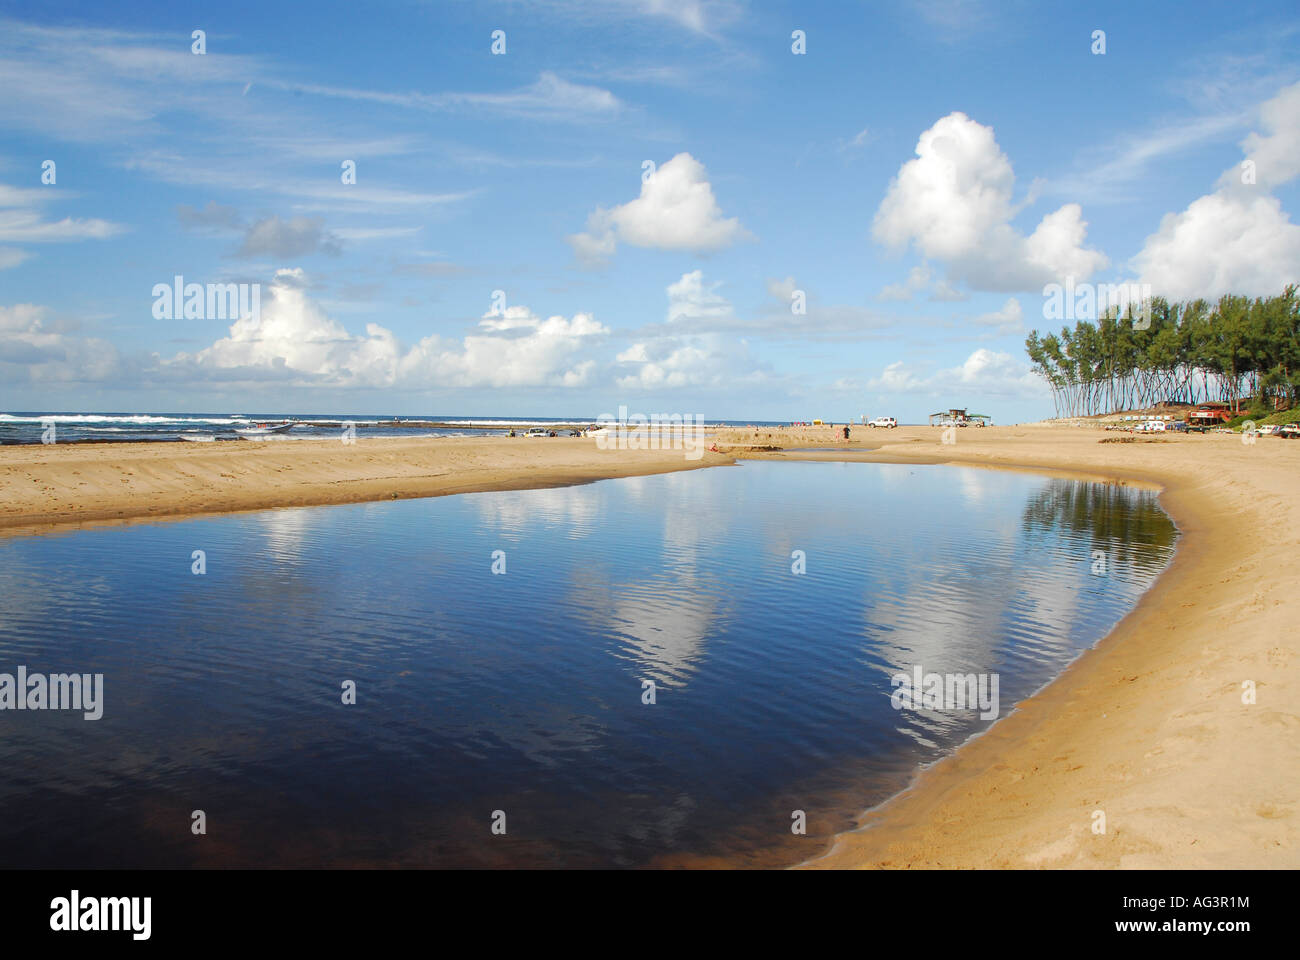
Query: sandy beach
[(47, 485), (1149, 727)]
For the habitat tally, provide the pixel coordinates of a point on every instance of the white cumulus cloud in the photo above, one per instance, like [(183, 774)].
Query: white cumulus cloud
[(294, 340), (675, 211), (30, 351), (694, 349), (691, 299), (1237, 239), (954, 204), (985, 373), (1008, 320)]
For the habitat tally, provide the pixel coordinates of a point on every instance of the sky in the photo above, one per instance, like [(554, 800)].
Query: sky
[(773, 211)]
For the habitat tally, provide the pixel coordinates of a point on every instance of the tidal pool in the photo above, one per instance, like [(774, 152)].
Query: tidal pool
[(766, 610)]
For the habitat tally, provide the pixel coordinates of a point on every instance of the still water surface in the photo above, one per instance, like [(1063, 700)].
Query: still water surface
[(523, 692)]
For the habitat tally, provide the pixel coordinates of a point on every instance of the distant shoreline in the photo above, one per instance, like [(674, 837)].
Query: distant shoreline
[(29, 429)]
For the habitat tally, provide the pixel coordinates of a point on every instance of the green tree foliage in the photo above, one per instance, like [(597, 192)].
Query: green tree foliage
[(1190, 353)]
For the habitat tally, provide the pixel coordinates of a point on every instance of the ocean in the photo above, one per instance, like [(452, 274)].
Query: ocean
[(30, 426)]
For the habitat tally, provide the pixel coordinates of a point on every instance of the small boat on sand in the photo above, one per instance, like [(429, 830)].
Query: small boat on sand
[(264, 429)]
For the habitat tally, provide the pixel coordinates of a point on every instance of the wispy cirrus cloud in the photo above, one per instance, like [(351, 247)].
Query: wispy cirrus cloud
[(1111, 172), (953, 18), (177, 117), (22, 220), (11, 257), (91, 85), (702, 18), (550, 97), (315, 194)]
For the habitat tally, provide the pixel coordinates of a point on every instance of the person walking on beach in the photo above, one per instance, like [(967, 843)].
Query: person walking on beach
[(846, 431)]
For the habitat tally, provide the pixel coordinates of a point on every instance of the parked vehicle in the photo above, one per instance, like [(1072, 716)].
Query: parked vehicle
[(536, 432), (1150, 426), (889, 422), (1290, 431)]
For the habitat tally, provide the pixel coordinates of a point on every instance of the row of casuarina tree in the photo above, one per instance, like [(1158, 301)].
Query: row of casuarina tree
[(1192, 352)]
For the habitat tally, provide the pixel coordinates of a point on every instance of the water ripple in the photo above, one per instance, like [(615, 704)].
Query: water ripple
[(525, 692)]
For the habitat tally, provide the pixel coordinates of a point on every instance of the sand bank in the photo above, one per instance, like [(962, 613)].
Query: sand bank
[(1149, 727), (42, 486)]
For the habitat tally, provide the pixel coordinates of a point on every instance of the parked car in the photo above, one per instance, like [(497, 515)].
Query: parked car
[(1290, 431), (1150, 426), (883, 422), (536, 432)]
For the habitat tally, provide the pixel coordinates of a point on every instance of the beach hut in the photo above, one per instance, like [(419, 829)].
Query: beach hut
[(1210, 415), (958, 417)]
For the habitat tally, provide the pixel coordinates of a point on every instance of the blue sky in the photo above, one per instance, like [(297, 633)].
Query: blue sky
[(916, 177)]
